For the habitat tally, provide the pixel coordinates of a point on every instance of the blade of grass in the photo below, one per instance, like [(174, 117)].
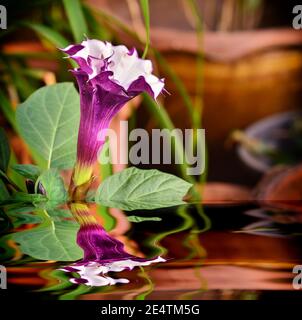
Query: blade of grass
[(7, 110), (115, 23), (51, 35), (198, 103), (76, 19), (22, 84), (164, 120), (199, 61), (13, 175), (97, 29), (105, 172), (146, 14)]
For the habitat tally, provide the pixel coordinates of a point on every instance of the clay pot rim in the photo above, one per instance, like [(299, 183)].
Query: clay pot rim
[(225, 46)]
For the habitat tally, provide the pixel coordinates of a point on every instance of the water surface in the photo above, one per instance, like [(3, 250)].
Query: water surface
[(225, 252)]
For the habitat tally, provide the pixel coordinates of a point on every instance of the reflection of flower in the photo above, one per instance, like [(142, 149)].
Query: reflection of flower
[(108, 76), (102, 253), (95, 273)]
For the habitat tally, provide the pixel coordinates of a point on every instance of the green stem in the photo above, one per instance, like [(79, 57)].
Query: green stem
[(164, 120), (146, 14), (105, 172)]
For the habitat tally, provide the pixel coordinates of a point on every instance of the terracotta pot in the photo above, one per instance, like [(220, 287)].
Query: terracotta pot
[(247, 76), (282, 188)]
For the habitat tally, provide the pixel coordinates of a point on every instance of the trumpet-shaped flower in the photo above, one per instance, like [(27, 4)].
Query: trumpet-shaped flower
[(102, 253), (108, 76)]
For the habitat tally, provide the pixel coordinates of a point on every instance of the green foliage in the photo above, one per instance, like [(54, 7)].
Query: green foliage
[(142, 219), (49, 121), (51, 240), (25, 198), (76, 19), (134, 189), (4, 151), (49, 34), (7, 109), (4, 195), (5, 224), (54, 187), (25, 218), (146, 14), (28, 171)]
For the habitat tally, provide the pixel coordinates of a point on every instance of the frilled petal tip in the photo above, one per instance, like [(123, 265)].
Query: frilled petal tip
[(128, 70), (95, 273), (72, 49)]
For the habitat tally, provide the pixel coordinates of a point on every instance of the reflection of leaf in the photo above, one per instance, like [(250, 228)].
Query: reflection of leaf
[(51, 240), (7, 251), (134, 189), (49, 120), (22, 197), (28, 171), (60, 214), (142, 219), (4, 151), (19, 208), (54, 186), (4, 222), (24, 218)]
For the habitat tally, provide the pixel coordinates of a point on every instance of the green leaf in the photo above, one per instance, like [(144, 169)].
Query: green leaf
[(142, 219), (54, 186), (28, 171), (146, 14), (76, 19), (5, 223), (4, 195), (22, 197), (4, 151), (49, 121), (59, 214), (134, 189), (25, 218), (7, 181), (14, 176), (17, 209), (51, 240), (7, 109)]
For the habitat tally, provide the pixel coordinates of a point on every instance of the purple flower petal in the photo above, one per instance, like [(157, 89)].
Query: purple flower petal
[(100, 100), (73, 49), (102, 253), (108, 77)]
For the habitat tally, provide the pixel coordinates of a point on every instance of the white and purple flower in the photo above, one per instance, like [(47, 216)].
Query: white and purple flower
[(108, 76), (102, 253)]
